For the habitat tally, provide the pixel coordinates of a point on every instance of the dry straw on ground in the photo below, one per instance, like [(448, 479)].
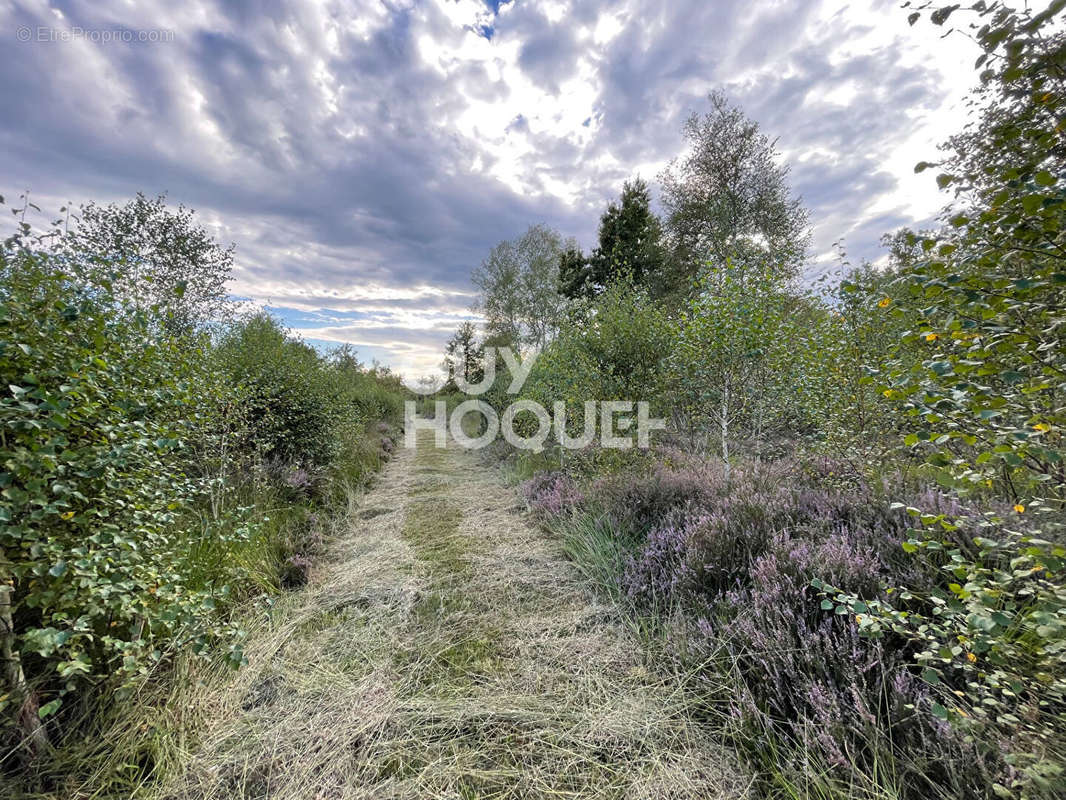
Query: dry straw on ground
[(448, 651)]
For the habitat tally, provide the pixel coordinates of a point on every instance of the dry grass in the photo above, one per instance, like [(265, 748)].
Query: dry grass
[(449, 651)]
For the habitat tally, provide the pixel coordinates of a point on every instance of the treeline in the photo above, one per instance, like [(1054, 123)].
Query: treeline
[(165, 460), (852, 536)]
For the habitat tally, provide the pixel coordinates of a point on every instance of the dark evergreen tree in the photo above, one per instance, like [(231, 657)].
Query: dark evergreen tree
[(629, 245), (575, 274), (464, 355)]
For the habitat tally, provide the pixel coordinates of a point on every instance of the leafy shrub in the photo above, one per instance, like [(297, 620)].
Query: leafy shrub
[(979, 373), (151, 477), (98, 505), (617, 354), (290, 399)]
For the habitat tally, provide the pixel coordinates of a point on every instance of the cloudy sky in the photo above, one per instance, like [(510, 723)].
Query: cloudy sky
[(364, 155)]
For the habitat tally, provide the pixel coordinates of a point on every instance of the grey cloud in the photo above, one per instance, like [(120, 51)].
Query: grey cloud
[(233, 117)]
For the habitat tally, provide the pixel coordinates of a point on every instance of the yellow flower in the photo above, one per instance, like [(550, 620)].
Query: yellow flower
[(1020, 508), (931, 337), (887, 392), (971, 658), (1042, 426), (67, 515), (884, 302)]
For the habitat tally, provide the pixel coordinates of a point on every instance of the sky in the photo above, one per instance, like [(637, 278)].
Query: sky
[(365, 155)]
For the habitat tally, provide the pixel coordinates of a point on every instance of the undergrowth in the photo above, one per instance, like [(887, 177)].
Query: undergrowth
[(715, 574)]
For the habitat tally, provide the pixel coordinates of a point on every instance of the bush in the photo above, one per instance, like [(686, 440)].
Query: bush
[(730, 561), (618, 355), (636, 503), (290, 399), (99, 503), (151, 478)]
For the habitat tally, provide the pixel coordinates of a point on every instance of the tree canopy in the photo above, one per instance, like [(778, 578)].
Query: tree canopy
[(728, 198), (630, 246), (157, 256), (519, 288)]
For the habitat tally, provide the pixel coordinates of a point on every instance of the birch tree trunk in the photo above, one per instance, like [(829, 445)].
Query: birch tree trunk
[(24, 700), (725, 428)]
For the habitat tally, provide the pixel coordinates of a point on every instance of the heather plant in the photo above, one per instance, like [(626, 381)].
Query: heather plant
[(847, 704), (636, 503), (551, 494), (704, 547), (731, 561)]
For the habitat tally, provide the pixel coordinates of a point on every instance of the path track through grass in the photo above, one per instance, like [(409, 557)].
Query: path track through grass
[(450, 651)]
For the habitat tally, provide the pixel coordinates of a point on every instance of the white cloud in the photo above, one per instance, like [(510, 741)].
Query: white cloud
[(364, 155)]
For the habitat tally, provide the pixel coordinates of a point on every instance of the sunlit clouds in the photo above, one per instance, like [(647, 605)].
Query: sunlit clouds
[(364, 156)]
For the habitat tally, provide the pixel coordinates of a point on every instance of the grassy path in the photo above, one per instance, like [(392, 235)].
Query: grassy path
[(450, 652)]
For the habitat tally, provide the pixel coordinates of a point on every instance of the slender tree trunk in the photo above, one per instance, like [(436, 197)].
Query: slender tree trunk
[(725, 429), (24, 699)]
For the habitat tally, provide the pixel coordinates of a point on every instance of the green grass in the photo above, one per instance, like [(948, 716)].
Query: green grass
[(431, 527), (597, 551), (452, 647)]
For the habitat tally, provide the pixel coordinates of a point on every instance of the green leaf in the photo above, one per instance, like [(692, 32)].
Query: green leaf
[(940, 16), (1032, 203), (48, 709), (1045, 178)]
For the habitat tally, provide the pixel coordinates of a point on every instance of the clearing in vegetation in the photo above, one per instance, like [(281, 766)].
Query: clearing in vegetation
[(450, 650)]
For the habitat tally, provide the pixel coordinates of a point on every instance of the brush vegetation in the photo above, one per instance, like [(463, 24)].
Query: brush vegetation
[(168, 465), (854, 519)]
